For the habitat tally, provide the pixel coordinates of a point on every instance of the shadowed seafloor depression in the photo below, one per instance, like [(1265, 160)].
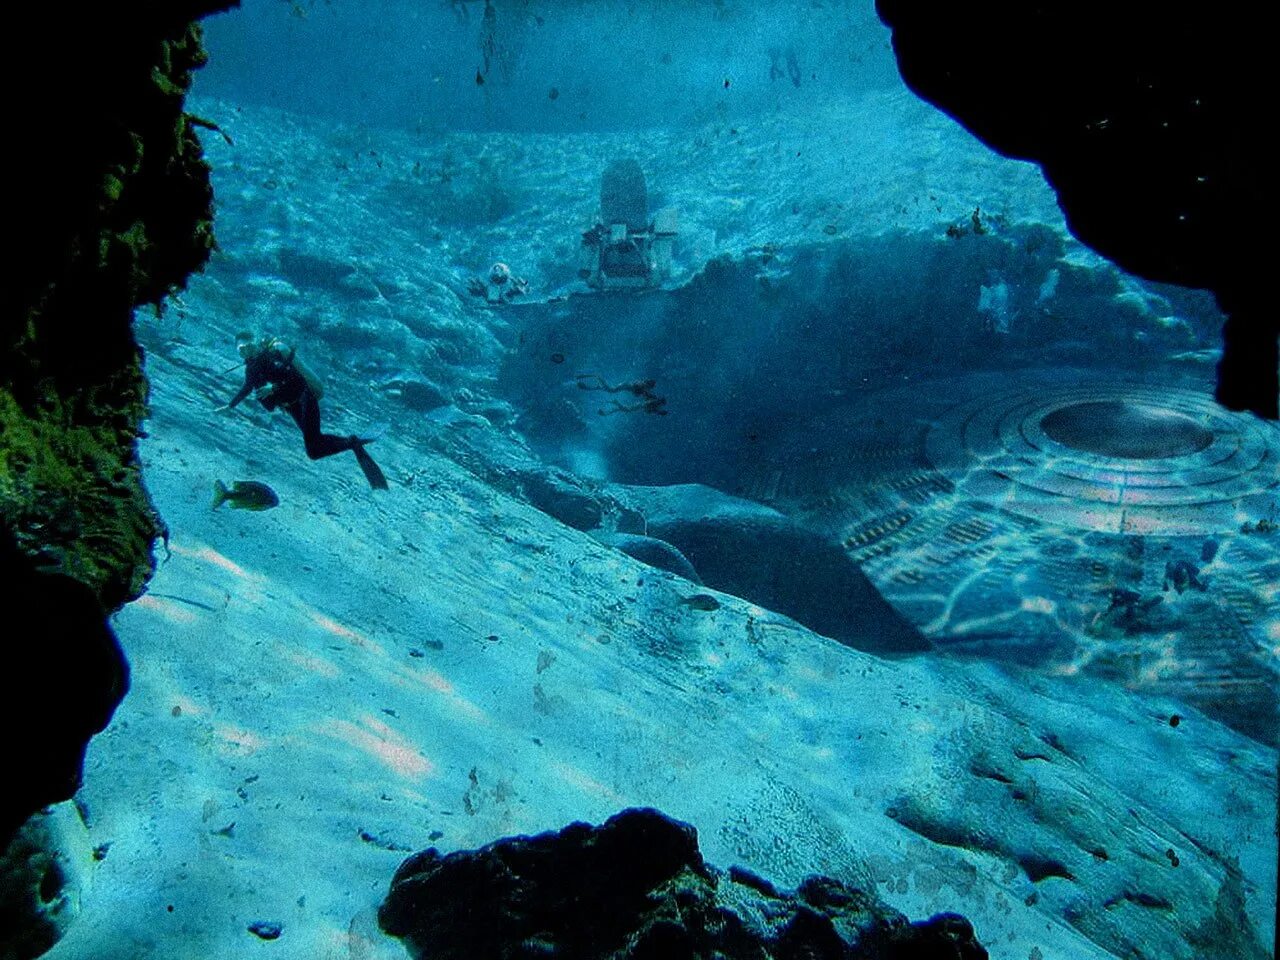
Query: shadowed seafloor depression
[(1126, 430), (888, 533)]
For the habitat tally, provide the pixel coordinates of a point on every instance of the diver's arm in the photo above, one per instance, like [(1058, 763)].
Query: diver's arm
[(241, 394), (253, 379)]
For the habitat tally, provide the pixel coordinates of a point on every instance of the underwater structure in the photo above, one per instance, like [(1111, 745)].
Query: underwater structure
[(625, 249), (917, 569)]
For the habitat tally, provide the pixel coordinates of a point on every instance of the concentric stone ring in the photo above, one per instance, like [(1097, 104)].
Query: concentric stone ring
[(1115, 458)]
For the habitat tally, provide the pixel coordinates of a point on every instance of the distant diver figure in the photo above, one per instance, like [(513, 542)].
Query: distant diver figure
[(1126, 611), (652, 405), (792, 70), (1181, 575), (281, 380), (647, 400), (501, 286), (793, 67)]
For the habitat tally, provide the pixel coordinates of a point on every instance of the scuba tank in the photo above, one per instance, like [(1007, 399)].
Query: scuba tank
[(288, 356)]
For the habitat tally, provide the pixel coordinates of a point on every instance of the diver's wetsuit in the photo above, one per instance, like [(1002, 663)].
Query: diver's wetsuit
[(290, 390)]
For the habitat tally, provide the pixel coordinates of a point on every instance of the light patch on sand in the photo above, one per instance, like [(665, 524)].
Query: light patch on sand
[(186, 707), (381, 742), (166, 609), (309, 662), (213, 558), (786, 692), (809, 674), (587, 784), (436, 682), (237, 740), (354, 637), (922, 726)]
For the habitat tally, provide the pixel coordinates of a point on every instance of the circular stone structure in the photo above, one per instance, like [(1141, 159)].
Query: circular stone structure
[(1115, 458), (1119, 428)]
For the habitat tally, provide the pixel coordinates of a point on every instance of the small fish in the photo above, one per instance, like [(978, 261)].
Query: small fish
[(701, 601), (244, 495)]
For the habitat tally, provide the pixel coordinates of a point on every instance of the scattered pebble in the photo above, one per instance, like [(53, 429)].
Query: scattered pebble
[(265, 929)]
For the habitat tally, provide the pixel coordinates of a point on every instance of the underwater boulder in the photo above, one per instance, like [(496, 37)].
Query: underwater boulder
[(637, 888), (61, 684), (41, 875), (574, 502), (652, 552), (756, 553), (560, 495), (413, 391)]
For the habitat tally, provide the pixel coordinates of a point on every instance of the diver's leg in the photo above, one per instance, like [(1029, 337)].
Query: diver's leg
[(306, 414)]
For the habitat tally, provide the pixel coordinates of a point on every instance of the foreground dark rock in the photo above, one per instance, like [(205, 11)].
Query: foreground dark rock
[(64, 676), (110, 208), (636, 888), (42, 872), (1144, 119)]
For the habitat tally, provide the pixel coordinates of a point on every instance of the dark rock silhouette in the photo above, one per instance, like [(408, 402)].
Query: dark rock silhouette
[(636, 888), (110, 208), (1144, 118)]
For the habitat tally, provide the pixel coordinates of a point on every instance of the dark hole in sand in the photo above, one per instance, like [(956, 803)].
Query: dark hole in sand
[(1126, 430)]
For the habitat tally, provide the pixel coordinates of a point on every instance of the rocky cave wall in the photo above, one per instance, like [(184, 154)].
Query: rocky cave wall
[(110, 209), (1145, 120)]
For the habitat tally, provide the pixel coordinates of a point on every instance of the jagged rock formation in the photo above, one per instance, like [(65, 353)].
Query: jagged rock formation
[(110, 208), (41, 872), (1145, 121), (636, 888)]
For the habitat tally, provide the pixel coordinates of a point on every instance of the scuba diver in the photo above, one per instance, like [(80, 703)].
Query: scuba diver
[(281, 380), (501, 287), (647, 400)]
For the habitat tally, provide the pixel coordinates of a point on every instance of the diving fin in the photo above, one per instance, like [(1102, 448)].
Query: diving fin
[(372, 472)]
